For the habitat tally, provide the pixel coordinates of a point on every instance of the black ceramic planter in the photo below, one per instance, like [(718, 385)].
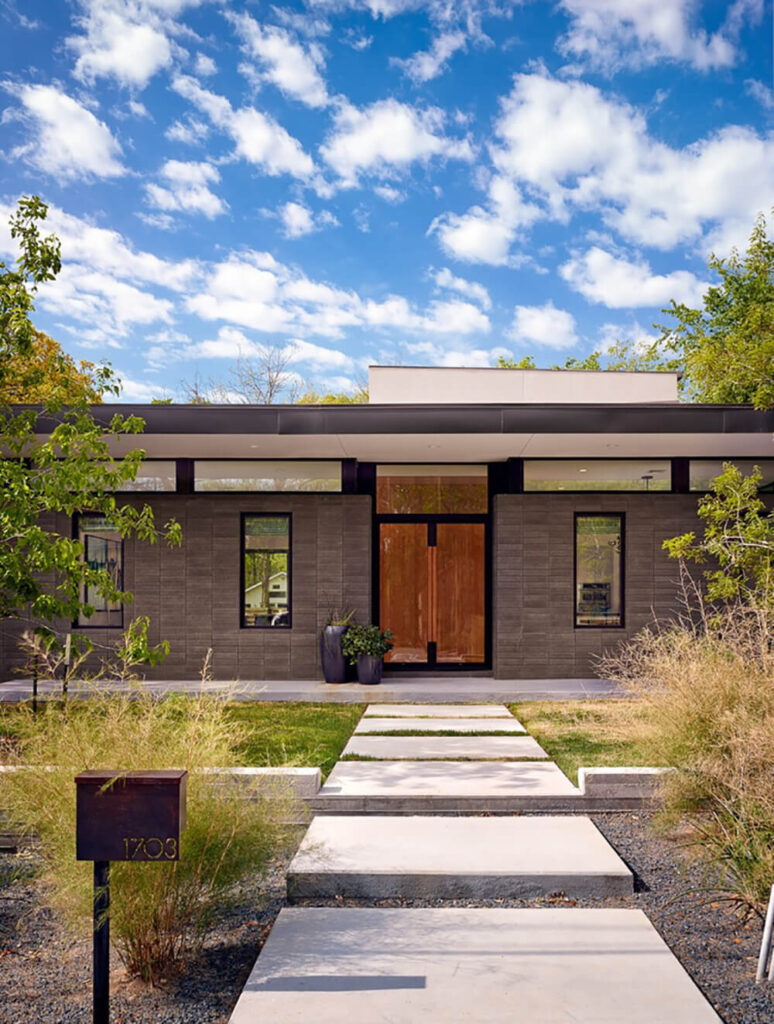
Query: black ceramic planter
[(333, 665), (369, 669)]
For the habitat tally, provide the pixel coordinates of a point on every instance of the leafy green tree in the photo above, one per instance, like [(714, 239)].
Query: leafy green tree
[(312, 397), (67, 469), (44, 373), (525, 363)]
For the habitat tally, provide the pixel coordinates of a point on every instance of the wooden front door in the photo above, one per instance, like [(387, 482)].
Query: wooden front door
[(432, 592)]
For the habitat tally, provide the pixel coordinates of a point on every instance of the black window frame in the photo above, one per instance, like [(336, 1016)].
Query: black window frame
[(621, 516), (243, 520), (76, 530), (191, 478)]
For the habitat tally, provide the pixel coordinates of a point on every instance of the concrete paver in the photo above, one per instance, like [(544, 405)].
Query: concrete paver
[(437, 711), (437, 748), (382, 857), (478, 966), (481, 725)]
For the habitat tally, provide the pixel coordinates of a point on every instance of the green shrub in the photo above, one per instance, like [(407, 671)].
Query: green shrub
[(160, 912), (368, 640)]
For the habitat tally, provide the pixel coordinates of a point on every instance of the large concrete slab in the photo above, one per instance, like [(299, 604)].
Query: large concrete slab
[(438, 748), (480, 725), (384, 857), (437, 711), (481, 966), (416, 787)]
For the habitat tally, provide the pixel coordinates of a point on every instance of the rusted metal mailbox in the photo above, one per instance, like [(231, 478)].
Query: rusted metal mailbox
[(135, 815)]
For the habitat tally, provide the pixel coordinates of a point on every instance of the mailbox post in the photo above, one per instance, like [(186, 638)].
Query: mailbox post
[(131, 815)]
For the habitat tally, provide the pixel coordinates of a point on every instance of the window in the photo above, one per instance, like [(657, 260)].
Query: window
[(597, 475), (704, 471), (599, 570), (431, 489), (103, 549), (266, 571), (258, 475), (154, 475)]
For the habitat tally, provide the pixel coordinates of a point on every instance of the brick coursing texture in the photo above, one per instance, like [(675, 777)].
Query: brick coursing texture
[(532, 578), (192, 593)]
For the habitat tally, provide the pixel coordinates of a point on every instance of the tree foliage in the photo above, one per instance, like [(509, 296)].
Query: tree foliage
[(46, 374)]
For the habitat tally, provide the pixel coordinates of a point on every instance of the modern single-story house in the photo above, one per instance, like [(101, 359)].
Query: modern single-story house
[(497, 521)]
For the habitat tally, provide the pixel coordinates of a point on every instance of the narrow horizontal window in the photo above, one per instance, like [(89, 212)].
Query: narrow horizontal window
[(599, 580), (704, 471), (103, 550), (597, 475), (431, 489), (266, 571), (259, 475), (154, 475)]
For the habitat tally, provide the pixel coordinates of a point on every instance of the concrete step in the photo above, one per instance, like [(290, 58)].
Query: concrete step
[(478, 966), (383, 857), (437, 711), (442, 787), (480, 725), (439, 748)]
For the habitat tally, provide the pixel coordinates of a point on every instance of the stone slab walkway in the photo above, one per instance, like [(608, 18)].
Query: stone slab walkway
[(476, 725), (435, 748), (383, 857), (437, 711), (329, 965)]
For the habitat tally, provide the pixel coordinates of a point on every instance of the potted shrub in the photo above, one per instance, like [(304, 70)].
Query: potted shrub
[(331, 657), (366, 646)]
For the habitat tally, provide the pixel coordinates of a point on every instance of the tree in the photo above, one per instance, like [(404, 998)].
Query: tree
[(358, 397), (726, 348), (47, 374), (42, 570), (260, 379), (525, 363)]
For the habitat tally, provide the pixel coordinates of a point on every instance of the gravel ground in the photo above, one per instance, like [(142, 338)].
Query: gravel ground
[(45, 976)]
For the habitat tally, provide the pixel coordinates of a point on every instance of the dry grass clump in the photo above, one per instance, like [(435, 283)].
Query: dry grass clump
[(160, 911), (708, 693)]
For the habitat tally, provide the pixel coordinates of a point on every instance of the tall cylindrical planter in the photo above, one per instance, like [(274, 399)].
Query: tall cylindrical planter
[(333, 664), (369, 669)]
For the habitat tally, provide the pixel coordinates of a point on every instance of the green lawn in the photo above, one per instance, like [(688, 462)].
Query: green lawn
[(588, 733)]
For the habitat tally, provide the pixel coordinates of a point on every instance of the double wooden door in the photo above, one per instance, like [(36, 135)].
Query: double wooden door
[(432, 591)]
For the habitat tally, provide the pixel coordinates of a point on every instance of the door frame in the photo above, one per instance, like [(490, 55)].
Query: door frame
[(424, 517)]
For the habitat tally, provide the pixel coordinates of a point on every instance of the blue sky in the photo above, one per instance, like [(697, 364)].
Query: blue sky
[(399, 181)]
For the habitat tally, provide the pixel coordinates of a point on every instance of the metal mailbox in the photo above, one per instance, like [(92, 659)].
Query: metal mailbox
[(133, 815)]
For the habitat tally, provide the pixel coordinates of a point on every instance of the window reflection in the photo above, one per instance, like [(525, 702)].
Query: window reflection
[(266, 571), (598, 570)]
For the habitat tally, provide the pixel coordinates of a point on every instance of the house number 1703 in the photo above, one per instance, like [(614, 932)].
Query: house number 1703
[(150, 847)]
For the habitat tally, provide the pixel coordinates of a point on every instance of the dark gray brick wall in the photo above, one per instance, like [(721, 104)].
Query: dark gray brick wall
[(191, 594)]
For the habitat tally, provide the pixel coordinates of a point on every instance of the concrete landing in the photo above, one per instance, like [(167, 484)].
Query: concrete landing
[(417, 787), (482, 725), (455, 965), (437, 711), (455, 858), (439, 748)]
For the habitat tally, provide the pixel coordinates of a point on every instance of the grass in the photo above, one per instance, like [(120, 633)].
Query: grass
[(589, 733)]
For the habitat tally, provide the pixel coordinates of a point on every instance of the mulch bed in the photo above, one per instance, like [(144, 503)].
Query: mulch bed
[(45, 975)]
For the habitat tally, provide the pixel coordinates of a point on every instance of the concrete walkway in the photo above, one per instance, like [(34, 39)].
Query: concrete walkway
[(475, 965)]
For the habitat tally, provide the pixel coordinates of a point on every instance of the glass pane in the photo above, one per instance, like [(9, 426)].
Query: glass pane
[(704, 471), (154, 475), (102, 551), (598, 596), (404, 589), (247, 475), (431, 489), (460, 561), (266, 577), (597, 475)]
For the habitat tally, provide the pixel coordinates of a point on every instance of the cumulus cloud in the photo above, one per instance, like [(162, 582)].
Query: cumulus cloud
[(385, 138), (186, 189), (543, 325), (298, 220), (618, 283), (68, 141), (258, 138), (283, 61), (444, 278), (424, 65), (190, 131)]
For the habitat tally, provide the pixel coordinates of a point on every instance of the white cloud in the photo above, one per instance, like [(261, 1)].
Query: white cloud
[(760, 92), (385, 138), (427, 64), (619, 283), (258, 138), (609, 34), (298, 220), (544, 325), (190, 131), (485, 235), (70, 142), (611, 334), (186, 189), (445, 279), (293, 69), (576, 147), (204, 65)]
